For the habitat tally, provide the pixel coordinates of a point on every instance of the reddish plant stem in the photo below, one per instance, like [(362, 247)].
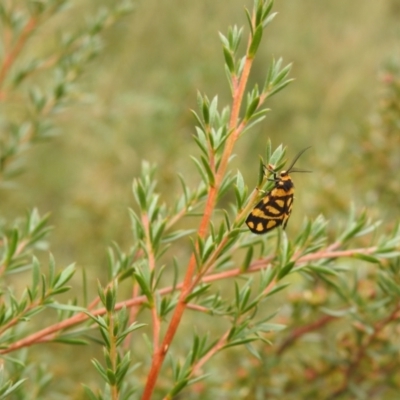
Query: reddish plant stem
[(156, 327), (299, 332), (49, 333), (10, 58), (217, 347), (159, 354), (221, 342), (132, 314), (197, 307)]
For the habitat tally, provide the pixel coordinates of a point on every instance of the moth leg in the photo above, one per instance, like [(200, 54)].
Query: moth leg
[(261, 190)]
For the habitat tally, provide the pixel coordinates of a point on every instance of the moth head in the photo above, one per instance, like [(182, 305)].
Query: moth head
[(284, 174)]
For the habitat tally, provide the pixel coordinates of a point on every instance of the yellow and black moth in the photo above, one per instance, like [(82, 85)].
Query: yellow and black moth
[(275, 207)]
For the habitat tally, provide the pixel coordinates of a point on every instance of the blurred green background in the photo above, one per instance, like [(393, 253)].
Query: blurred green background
[(136, 100)]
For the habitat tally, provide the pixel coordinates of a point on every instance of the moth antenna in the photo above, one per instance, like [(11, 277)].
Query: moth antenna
[(295, 159), (299, 170)]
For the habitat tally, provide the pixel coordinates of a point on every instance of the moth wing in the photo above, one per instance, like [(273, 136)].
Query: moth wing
[(265, 216)]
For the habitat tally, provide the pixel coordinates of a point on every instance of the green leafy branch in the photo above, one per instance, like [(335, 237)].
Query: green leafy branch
[(64, 66)]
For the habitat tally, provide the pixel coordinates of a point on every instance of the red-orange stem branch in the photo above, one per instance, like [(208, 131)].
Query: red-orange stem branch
[(48, 333), (10, 58), (159, 355)]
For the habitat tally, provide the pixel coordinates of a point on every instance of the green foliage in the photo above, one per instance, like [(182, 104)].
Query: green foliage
[(314, 310), (114, 330)]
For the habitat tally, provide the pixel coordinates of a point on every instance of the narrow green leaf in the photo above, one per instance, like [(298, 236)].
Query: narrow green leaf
[(255, 42), (239, 342), (111, 377), (282, 74), (12, 245), (201, 140), (267, 10), (100, 292), (35, 278), (253, 351), (198, 120), (144, 285), (72, 341), (53, 292), (175, 235), (261, 172), (267, 275), (52, 271), (64, 276), (201, 170), (44, 287), (248, 16), (285, 269), (213, 110), (12, 388), (224, 40), (387, 253), (98, 320), (226, 184), (241, 65), (157, 233), (279, 87), (389, 285), (178, 387), (123, 368), (340, 290), (239, 190), (196, 253), (284, 247), (198, 291), (277, 289), (90, 394), (206, 111), (235, 38), (139, 194), (229, 60), (321, 269), (269, 19), (338, 313), (195, 349), (110, 299), (248, 258), (133, 327), (100, 369), (304, 235), (237, 300), (207, 168), (270, 327), (233, 234), (259, 12), (252, 107), (228, 75), (352, 230), (127, 273), (366, 257), (255, 119)]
